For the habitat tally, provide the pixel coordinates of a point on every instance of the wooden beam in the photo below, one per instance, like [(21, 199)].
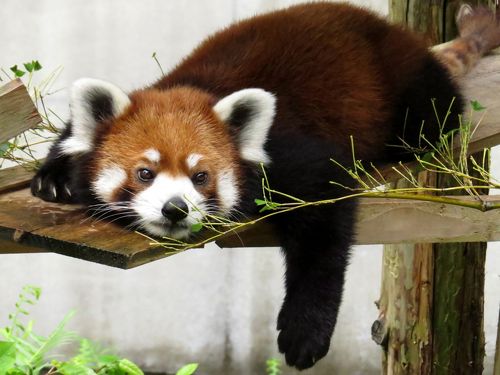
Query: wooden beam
[(17, 111), (65, 229), (14, 178)]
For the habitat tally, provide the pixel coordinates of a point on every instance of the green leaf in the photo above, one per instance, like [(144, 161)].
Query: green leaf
[(7, 356), (260, 202), (15, 371), (188, 369), (17, 72), (195, 228), (476, 106), (36, 65), (4, 147), (129, 368), (269, 206), (428, 157), (28, 66), (273, 366)]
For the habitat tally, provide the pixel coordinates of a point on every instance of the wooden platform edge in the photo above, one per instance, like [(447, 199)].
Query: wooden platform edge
[(64, 230)]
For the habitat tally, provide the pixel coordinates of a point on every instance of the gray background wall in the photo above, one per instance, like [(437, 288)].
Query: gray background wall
[(215, 307)]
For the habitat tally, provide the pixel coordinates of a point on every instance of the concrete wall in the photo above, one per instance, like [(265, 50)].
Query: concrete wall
[(216, 307)]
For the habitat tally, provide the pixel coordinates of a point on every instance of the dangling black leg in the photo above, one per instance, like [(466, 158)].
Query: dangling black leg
[(316, 247)]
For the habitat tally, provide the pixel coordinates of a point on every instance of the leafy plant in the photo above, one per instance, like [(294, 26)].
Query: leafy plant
[(19, 150), (25, 352), (188, 369), (273, 366)]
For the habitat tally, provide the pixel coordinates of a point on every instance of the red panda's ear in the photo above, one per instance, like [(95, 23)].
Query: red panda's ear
[(91, 102), (251, 113)]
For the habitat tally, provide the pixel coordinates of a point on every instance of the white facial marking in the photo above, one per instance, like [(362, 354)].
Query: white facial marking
[(83, 122), (228, 190), (153, 155), (108, 180), (253, 134), (149, 203), (192, 160)]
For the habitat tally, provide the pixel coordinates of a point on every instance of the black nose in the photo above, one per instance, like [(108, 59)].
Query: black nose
[(175, 209)]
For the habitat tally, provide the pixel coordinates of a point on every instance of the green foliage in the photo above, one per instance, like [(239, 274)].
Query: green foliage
[(188, 369), (19, 149), (4, 148), (25, 352), (195, 228), (31, 66), (273, 366), (31, 350), (476, 106), (17, 72)]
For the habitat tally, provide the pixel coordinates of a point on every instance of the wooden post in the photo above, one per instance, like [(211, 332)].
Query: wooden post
[(431, 304)]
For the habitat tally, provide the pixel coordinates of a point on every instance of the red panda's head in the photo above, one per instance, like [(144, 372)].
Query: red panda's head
[(166, 158)]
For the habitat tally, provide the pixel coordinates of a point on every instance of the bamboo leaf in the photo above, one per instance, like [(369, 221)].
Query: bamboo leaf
[(36, 65), (129, 367), (195, 228), (188, 369), (17, 72), (7, 356), (476, 106), (260, 202)]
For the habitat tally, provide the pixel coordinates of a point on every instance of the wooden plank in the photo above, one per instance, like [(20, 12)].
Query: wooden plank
[(14, 178), (483, 85), (382, 221), (9, 246), (65, 229), (17, 111)]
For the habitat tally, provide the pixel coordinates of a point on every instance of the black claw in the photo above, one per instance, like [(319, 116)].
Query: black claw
[(51, 185)]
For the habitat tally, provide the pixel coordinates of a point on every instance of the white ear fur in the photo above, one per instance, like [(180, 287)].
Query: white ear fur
[(91, 100), (259, 108)]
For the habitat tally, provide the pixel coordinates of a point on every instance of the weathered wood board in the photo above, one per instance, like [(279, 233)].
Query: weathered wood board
[(17, 112), (65, 229)]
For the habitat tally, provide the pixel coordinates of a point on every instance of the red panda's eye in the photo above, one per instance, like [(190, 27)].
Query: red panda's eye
[(200, 178), (145, 175)]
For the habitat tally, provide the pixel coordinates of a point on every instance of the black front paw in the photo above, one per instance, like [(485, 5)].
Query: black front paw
[(52, 184), (305, 334)]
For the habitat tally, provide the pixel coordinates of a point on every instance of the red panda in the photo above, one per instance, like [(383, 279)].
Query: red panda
[(286, 89)]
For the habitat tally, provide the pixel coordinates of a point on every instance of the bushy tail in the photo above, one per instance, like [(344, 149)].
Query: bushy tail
[(479, 30)]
